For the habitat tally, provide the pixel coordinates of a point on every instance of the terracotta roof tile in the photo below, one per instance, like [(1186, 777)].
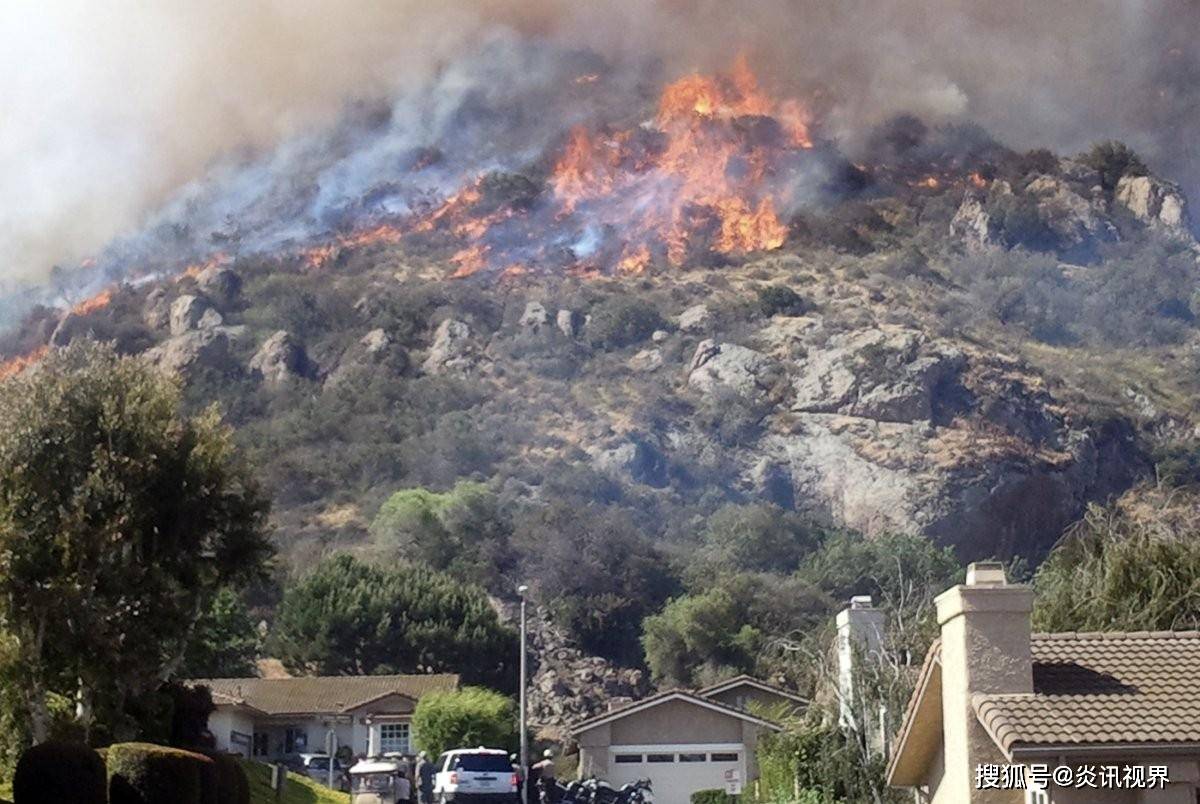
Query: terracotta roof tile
[(1102, 688), (320, 694)]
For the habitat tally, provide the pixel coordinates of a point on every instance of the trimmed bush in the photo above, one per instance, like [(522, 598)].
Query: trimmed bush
[(232, 785), (142, 773), (710, 797), (60, 771)]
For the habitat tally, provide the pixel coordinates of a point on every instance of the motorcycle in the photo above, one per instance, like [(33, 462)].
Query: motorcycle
[(595, 791)]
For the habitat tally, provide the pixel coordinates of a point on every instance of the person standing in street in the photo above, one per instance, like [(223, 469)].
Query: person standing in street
[(543, 772), (423, 777)]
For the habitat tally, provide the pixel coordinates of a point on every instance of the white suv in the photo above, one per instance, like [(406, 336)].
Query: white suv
[(475, 776)]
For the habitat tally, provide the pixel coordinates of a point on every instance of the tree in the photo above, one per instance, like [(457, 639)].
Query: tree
[(884, 567), (224, 643), (596, 572), (347, 617), (1131, 566), (1112, 160), (698, 638), (462, 531), (758, 537), (471, 716), (120, 517)]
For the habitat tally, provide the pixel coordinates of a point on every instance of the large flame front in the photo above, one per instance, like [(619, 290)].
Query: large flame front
[(702, 178)]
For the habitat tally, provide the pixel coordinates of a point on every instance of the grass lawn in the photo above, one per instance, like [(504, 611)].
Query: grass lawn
[(300, 789)]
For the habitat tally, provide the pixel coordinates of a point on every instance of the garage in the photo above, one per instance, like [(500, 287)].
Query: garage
[(679, 740), (677, 768)]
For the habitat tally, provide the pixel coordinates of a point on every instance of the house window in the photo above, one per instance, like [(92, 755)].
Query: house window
[(692, 757), (262, 744), (627, 759), (724, 757), (393, 738), (660, 757), (295, 740)]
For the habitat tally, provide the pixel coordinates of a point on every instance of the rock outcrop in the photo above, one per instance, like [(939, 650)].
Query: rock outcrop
[(453, 350), (192, 312), (567, 685), (203, 348), (1153, 201), (887, 374), (280, 359), (220, 285), (727, 365)]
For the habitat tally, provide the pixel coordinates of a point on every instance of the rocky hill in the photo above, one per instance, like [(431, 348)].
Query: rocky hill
[(970, 354)]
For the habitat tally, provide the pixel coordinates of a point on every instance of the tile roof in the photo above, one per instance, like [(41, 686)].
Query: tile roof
[(319, 694), (1132, 687)]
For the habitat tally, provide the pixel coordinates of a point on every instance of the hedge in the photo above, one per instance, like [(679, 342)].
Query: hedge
[(55, 772), (233, 787), (141, 773), (710, 797)]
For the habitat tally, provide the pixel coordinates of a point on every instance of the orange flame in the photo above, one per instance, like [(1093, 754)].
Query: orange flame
[(91, 305), (14, 366)]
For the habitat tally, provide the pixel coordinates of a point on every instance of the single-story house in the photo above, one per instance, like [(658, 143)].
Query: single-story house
[(744, 692), (1001, 714), (270, 718), (681, 740)]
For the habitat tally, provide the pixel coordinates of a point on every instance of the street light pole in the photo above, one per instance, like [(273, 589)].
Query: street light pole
[(521, 590)]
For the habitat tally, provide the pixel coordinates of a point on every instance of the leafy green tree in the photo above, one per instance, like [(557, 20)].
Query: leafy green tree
[(225, 642), (758, 537), (1131, 566), (347, 617), (464, 718), (886, 567), (699, 638), (1112, 160), (463, 531), (120, 518)]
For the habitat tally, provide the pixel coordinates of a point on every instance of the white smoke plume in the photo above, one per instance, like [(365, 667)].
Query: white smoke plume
[(110, 108)]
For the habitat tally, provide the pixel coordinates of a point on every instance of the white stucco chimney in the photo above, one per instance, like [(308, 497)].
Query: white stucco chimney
[(859, 635), (985, 650)]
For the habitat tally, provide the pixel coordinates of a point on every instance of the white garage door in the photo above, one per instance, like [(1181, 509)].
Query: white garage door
[(676, 771)]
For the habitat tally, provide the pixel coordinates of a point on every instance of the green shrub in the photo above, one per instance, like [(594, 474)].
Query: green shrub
[(622, 320), (1112, 160), (710, 797), (467, 717), (232, 786), (141, 773), (60, 771), (780, 300)]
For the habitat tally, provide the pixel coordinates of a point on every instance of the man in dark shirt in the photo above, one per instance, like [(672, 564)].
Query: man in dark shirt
[(425, 771)]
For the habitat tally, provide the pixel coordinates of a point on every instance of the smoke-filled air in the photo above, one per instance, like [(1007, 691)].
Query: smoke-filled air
[(139, 139)]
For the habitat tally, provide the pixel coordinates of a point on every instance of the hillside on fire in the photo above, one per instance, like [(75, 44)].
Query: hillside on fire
[(684, 348)]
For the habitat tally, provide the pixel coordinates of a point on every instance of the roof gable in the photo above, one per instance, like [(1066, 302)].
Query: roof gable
[(920, 734), (662, 698), (753, 683)]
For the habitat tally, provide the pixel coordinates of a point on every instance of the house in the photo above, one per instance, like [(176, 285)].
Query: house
[(271, 718), (1001, 714), (681, 740), (746, 692)]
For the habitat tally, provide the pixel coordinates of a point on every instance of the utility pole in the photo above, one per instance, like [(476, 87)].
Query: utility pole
[(522, 590)]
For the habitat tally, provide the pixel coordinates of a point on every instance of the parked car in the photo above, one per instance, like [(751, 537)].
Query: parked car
[(316, 767), (475, 776)]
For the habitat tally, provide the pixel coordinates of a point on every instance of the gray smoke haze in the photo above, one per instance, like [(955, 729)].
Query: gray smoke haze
[(109, 109)]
